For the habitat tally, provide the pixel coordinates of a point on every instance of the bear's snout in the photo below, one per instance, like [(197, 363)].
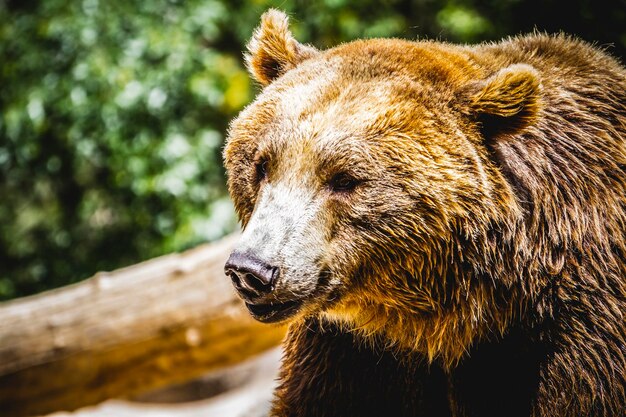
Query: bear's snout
[(255, 280), (251, 276)]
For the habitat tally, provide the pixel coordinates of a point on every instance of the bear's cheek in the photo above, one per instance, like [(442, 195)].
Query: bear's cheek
[(243, 191), (361, 225)]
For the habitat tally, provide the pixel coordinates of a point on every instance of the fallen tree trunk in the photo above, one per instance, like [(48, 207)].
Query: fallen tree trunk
[(123, 333)]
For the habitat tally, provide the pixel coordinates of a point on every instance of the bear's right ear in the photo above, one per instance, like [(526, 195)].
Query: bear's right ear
[(507, 102), (272, 51)]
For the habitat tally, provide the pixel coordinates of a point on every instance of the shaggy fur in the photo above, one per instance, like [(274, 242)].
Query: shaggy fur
[(482, 256)]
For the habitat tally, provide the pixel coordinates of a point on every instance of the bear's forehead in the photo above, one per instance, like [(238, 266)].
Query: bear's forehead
[(355, 96), (321, 86), (319, 101)]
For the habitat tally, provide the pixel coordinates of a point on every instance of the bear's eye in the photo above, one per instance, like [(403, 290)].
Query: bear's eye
[(261, 169), (343, 182)]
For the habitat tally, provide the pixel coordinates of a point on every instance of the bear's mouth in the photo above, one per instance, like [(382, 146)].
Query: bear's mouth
[(279, 310), (274, 312)]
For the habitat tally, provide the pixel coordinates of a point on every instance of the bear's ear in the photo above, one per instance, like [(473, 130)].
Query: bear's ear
[(272, 51), (508, 102)]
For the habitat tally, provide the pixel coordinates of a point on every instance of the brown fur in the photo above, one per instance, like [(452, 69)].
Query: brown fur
[(491, 223)]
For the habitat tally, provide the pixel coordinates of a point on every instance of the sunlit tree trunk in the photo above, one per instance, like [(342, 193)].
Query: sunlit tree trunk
[(126, 332)]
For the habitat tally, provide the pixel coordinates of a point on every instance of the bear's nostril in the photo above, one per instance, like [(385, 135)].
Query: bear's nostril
[(234, 278), (258, 283)]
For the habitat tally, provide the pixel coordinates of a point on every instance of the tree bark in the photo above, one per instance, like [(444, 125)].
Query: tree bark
[(126, 332)]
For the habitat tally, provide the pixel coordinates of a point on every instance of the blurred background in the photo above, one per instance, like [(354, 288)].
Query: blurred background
[(113, 113)]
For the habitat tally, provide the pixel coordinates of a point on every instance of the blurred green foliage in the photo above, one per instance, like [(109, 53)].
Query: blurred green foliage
[(113, 113)]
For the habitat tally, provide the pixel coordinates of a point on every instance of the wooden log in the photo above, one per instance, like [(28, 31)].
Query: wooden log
[(245, 390), (123, 333)]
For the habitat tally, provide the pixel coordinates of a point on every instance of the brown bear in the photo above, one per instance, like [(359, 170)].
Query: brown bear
[(444, 226)]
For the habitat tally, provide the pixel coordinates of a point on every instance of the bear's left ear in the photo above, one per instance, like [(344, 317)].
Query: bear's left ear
[(508, 102), (272, 51)]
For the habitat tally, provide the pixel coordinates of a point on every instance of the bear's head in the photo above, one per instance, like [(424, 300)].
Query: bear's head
[(367, 189)]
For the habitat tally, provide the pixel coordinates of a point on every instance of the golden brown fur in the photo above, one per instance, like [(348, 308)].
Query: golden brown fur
[(492, 214)]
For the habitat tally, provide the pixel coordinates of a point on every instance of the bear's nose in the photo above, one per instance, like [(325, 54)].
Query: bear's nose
[(250, 274)]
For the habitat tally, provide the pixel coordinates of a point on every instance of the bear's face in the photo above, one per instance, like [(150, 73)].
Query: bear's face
[(355, 169)]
